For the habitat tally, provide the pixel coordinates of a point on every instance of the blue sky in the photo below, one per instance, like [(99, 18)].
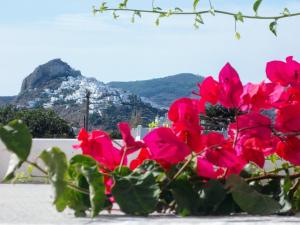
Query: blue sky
[(33, 32)]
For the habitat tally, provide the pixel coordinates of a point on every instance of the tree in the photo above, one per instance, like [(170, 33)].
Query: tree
[(42, 123), (217, 118)]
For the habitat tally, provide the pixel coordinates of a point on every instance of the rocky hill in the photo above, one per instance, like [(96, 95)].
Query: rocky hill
[(161, 92), (58, 86)]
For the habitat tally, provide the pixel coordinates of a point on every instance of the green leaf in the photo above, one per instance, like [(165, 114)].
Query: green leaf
[(138, 13), (96, 188), (237, 35), (273, 27), (153, 167), (256, 5), (136, 194), (239, 17), (115, 16), (157, 9), (103, 7), (133, 18), (273, 158), (195, 4), (56, 163), (87, 166), (226, 207), (157, 22), (198, 20), (286, 12), (284, 198), (17, 139), (123, 4), (14, 164), (185, 196), (94, 10), (249, 200), (169, 13), (177, 9), (214, 194)]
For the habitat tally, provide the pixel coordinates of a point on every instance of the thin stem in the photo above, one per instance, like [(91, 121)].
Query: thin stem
[(201, 12), (34, 176), (272, 176), (105, 169), (72, 186), (280, 169), (117, 143), (37, 167), (79, 189), (294, 188), (182, 168), (210, 4), (237, 129), (122, 159)]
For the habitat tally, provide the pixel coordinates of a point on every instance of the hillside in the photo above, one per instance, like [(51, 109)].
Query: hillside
[(57, 86), (161, 91)]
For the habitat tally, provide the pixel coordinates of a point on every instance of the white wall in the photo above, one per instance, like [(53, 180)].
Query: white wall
[(38, 145)]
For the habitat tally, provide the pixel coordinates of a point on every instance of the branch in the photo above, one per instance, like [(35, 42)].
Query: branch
[(272, 176), (162, 12)]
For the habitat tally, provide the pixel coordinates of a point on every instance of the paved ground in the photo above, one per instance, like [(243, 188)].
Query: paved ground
[(31, 204)]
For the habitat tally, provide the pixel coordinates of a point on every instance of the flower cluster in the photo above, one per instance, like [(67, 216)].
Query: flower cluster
[(267, 121)]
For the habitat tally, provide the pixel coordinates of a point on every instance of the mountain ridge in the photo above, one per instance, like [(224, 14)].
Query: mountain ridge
[(161, 91)]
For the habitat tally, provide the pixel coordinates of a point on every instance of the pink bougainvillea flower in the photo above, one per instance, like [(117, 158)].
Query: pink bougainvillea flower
[(202, 106), (219, 151), (288, 119), (165, 147), (231, 87), (275, 94), (209, 90), (250, 90), (108, 182), (143, 155), (98, 145), (284, 73), (253, 151), (213, 140), (291, 96), (206, 169), (129, 143), (218, 159), (226, 158), (250, 125), (254, 125), (184, 113), (290, 150), (257, 97), (269, 146), (252, 134)]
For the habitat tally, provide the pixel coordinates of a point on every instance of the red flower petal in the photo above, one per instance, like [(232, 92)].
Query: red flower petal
[(231, 87)]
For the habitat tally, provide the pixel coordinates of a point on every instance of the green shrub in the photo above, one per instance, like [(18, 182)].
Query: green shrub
[(42, 123)]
